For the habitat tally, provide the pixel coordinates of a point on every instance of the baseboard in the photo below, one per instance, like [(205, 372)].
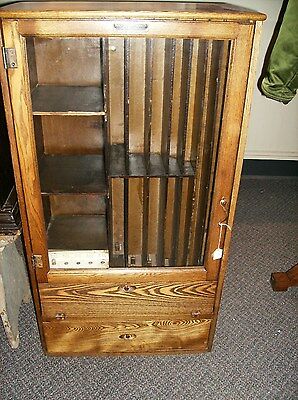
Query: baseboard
[(270, 167)]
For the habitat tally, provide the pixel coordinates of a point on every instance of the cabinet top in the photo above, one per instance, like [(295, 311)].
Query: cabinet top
[(153, 10)]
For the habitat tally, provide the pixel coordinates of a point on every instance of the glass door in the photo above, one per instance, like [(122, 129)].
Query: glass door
[(165, 102)]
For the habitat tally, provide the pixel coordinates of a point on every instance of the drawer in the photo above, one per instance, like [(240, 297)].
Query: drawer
[(128, 302), (81, 338)]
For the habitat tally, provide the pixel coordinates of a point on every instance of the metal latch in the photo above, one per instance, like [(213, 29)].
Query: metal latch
[(9, 57), (37, 261)]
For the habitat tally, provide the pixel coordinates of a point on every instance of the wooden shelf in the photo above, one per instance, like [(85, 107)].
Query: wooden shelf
[(72, 174), (77, 232), (67, 100), (137, 165)]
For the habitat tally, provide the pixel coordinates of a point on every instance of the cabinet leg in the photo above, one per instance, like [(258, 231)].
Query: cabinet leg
[(281, 281)]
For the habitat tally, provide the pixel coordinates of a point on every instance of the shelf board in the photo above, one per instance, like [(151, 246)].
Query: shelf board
[(137, 165), (67, 100), (72, 174), (77, 232)]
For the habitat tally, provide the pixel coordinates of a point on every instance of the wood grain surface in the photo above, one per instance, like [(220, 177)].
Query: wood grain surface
[(128, 275), (128, 301), (90, 10), (82, 338)]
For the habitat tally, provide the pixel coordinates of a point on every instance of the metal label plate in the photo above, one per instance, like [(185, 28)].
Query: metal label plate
[(65, 259)]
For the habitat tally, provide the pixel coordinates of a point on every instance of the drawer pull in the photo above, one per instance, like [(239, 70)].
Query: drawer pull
[(196, 313), (128, 288), (137, 27), (127, 336), (60, 316)]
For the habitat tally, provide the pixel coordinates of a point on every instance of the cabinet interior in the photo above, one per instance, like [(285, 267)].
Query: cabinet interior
[(126, 133)]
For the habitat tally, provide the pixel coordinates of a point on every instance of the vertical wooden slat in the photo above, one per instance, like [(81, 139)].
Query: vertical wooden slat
[(147, 141), (167, 184), (117, 220), (170, 47), (158, 75), (126, 146), (169, 220), (126, 216), (184, 101), (148, 101), (126, 107), (162, 220), (194, 101), (176, 98), (154, 220), (180, 126), (176, 219), (137, 72), (219, 102), (114, 47), (209, 133), (135, 218), (185, 215), (197, 115), (145, 210), (193, 244), (30, 44), (157, 188)]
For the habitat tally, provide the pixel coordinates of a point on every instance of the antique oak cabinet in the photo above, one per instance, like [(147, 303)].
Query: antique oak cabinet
[(127, 124)]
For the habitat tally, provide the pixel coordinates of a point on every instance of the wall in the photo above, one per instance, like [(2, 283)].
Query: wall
[(273, 126), (273, 130)]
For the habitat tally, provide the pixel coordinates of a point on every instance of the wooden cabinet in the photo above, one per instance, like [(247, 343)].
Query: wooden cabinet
[(128, 124)]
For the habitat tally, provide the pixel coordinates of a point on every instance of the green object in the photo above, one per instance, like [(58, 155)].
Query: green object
[(281, 80)]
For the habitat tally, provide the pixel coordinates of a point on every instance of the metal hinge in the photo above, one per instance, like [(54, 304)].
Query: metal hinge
[(37, 261), (9, 57)]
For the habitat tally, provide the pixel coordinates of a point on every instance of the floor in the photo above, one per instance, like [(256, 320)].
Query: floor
[(255, 346)]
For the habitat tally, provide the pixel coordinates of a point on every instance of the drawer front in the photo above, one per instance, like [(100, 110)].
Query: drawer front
[(81, 338), (128, 302)]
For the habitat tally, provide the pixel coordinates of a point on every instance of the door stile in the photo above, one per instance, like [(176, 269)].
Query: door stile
[(19, 188), (229, 139), (19, 86)]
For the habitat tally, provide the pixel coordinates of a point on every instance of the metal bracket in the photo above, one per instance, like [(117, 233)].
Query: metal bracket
[(37, 261), (118, 248), (151, 260), (9, 57), (134, 260)]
